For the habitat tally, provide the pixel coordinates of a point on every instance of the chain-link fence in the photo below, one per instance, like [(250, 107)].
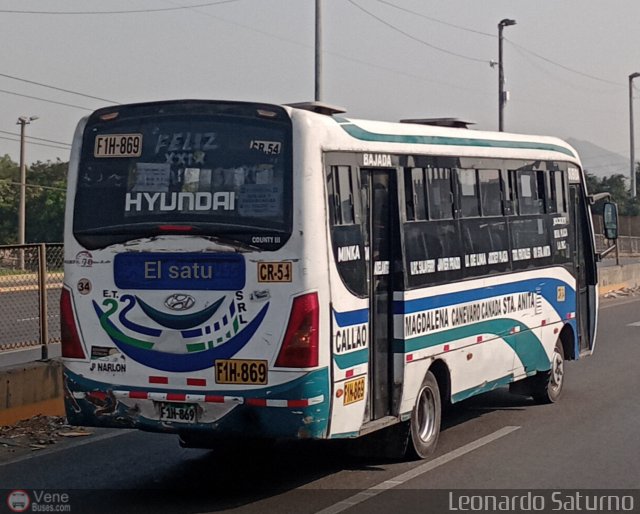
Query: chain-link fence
[(30, 281)]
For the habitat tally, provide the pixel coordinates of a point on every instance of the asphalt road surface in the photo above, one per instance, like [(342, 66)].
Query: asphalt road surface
[(587, 441)]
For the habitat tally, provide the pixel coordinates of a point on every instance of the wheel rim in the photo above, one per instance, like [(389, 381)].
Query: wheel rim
[(426, 410), (557, 371)]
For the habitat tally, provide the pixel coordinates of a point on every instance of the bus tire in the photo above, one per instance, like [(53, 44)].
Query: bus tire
[(426, 417), (547, 387)]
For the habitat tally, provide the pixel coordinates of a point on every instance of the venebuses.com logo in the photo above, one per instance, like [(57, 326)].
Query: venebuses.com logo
[(18, 501)]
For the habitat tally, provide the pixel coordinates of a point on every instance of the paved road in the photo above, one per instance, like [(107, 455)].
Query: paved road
[(589, 441)]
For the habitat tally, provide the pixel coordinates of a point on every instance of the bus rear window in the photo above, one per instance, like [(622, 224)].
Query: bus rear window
[(214, 174)]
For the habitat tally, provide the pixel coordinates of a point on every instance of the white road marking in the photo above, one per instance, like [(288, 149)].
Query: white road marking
[(636, 324), (367, 494)]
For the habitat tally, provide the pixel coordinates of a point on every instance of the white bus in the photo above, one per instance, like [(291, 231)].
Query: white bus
[(245, 271)]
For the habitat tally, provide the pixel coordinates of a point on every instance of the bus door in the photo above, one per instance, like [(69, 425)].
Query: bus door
[(379, 199), (583, 263)]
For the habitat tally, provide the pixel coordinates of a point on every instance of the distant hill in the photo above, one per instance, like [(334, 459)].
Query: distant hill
[(600, 161)]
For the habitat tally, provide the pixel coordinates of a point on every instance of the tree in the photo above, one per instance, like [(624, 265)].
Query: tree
[(9, 173), (617, 186), (45, 199), (46, 202)]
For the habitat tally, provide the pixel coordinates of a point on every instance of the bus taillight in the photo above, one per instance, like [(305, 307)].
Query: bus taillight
[(300, 344), (70, 341), (175, 228)]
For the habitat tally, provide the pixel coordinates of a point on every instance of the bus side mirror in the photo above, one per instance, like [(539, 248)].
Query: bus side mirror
[(610, 217)]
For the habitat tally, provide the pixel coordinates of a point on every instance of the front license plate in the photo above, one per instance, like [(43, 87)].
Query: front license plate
[(354, 391), (178, 412), (239, 371)]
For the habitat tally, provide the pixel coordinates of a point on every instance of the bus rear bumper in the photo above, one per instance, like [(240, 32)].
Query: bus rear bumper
[(296, 410)]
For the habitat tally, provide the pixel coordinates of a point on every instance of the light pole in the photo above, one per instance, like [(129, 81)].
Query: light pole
[(318, 77), (502, 95), (23, 121), (632, 152)]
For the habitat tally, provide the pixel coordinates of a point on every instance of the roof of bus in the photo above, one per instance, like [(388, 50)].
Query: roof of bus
[(431, 138), (469, 141)]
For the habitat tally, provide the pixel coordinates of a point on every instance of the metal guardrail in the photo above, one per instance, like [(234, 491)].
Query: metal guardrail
[(628, 246), (30, 283)]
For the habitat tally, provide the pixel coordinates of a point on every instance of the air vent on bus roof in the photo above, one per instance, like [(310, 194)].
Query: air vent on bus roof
[(441, 122), (319, 107)]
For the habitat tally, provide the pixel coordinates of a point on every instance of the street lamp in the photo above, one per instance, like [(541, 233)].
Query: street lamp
[(502, 95), (22, 121), (632, 156)]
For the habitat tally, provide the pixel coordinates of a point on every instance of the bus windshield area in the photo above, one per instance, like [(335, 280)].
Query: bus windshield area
[(203, 174)]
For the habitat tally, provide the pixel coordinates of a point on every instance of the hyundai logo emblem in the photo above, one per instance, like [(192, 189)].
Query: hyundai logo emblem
[(179, 302)]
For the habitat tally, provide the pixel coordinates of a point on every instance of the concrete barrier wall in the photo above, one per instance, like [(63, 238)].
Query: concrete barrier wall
[(612, 278), (36, 388), (30, 389)]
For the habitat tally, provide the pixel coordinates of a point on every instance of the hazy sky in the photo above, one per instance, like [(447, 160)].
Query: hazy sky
[(567, 62)]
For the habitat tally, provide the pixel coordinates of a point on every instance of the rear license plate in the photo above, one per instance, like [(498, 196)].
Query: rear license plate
[(239, 371), (118, 145), (274, 272), (178, 412), (354, 391)]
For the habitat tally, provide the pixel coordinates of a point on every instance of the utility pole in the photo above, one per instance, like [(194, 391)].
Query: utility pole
[(318, 80), (23, 121), (502, 94), (632, 152)]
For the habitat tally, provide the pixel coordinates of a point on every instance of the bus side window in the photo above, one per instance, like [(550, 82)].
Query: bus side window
[(346, 216), (557, 201), (415, 194), (531, 192), (490, 192), (334, 199), (341, 195), (543, 199), (346, 195), (440, 194), (468, 201), (512, 191)]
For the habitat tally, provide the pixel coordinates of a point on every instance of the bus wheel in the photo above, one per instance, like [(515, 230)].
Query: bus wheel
[(548, 386), (425, 418)]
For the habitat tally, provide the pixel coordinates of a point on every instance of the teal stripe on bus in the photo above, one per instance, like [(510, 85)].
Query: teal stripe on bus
[(484, 388), (351, 359), (364, 135), (524, 343)]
